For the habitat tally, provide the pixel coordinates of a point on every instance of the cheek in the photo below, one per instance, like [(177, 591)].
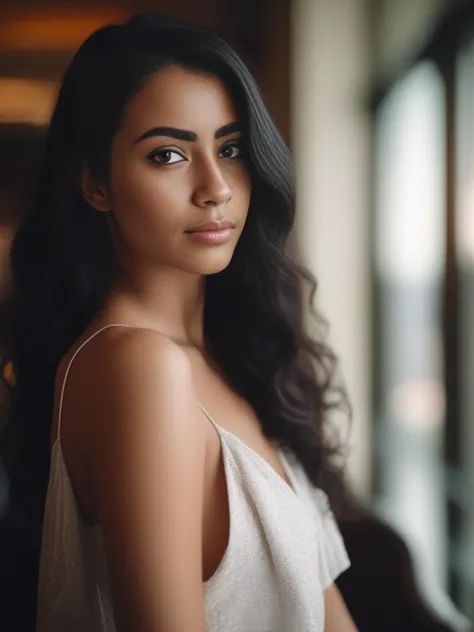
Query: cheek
[(141, 193)]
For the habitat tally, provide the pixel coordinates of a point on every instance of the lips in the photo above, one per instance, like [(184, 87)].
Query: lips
[(212, 227)]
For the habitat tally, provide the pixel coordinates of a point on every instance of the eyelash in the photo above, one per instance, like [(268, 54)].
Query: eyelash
[(165, 150)]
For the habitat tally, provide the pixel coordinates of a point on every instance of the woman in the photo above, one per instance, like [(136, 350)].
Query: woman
[(155, 297)]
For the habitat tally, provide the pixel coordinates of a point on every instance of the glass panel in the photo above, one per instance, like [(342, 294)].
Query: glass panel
[(409, 264), (464, 547)]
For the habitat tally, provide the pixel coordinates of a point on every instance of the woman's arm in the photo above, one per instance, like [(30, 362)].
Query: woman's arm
[(338, 618), (147, 464)]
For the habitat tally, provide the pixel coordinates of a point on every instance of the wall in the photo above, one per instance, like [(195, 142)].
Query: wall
[(330, 70)]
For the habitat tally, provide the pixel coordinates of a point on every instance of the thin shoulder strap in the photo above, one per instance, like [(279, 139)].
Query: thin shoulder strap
[(81, 346), (216, 426)]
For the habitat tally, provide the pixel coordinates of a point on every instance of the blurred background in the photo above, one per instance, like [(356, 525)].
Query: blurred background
[(376, 100)]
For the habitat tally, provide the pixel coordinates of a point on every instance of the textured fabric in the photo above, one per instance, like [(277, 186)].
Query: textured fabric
[(284, 550)]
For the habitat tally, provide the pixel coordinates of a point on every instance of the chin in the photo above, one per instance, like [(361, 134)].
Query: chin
[(213, 263)]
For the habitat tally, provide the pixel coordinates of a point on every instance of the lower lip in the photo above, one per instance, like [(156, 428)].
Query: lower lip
[(213, 236)]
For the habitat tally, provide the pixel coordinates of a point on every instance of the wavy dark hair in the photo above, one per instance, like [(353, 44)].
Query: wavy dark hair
[(63, 262)]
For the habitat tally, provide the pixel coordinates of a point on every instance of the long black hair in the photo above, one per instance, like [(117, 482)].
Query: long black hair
[(63, 262)]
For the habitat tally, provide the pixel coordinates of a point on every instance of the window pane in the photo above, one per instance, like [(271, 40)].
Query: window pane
[(409, 265), (463, 561)]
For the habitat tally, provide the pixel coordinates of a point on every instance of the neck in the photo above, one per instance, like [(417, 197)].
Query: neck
[(165, 299)]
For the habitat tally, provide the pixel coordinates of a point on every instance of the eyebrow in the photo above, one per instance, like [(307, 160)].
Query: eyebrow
[(182, 134)]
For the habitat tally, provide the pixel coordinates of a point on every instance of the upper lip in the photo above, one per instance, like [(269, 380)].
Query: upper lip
[(210, 226)]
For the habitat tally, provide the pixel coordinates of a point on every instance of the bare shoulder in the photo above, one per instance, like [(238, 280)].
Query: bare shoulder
[(125, 351), (146, 451), (120, 367), (141, 382), (132, 382)]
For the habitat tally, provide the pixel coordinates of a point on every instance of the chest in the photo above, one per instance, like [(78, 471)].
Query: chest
[(232, 413), (270, 569)]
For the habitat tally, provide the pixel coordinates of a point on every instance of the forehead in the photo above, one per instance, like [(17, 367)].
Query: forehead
[(177, 97)]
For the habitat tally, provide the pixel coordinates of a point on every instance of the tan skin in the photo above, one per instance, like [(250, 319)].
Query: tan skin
[(142, 457)]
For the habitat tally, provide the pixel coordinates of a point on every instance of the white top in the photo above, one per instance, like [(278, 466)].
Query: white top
[(284, 550)]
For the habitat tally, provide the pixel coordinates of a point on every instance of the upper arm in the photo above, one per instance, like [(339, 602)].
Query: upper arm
[(337, 617), (147, 461)]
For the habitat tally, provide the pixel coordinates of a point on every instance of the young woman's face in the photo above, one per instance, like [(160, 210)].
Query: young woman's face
[(176, 165)]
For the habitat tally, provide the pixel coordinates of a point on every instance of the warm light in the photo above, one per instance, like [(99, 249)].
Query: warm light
[(59, 31), (26, 100)]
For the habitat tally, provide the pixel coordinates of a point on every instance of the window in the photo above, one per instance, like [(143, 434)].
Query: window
[(409, 260), (423, 270)]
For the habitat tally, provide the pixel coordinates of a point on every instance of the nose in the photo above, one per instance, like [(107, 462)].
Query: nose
[(212, 188)]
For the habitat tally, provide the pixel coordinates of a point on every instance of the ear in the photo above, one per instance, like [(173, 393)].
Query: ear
[(94, 192)]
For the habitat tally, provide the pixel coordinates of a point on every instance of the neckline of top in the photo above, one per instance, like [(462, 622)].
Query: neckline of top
[(292, 488)]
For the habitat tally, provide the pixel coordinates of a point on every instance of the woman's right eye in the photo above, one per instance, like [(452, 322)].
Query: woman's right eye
[(166, 156)]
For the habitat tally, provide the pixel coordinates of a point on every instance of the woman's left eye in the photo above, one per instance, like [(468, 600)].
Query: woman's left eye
[(231, 151)]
